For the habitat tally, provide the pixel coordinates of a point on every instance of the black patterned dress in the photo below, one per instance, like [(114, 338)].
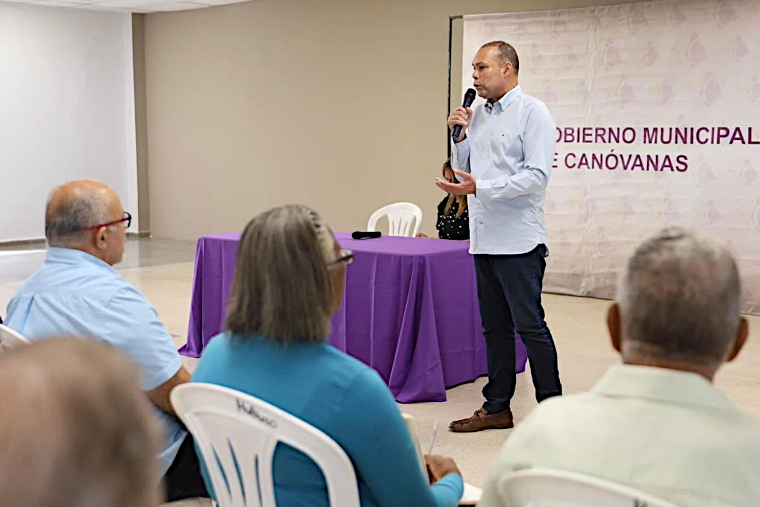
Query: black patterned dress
[(450, 226)]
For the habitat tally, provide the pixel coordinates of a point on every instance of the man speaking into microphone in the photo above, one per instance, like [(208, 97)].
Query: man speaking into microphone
[(503, 157)]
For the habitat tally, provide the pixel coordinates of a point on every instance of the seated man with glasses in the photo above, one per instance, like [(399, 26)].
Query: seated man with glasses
[(76, 292)]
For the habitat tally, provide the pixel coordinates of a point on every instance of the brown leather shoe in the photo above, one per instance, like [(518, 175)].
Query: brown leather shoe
[(481, 420)]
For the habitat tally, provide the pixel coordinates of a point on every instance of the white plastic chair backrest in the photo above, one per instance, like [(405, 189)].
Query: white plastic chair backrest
[(542, 487), (237, 434), (400, 217), (10, 339)]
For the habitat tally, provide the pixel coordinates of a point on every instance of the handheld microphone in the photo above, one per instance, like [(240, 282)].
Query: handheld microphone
[(366, 235), (469, 96)]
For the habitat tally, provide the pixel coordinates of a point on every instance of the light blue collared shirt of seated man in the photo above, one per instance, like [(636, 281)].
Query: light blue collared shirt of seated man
[(76, 294), (509, 149)]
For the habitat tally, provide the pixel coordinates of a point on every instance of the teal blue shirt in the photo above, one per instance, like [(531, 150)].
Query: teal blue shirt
[(342, 397), (76, 294)]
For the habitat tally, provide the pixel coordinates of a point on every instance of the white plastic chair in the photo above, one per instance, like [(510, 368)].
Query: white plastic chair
[(237, 434), (400, 216), (542, 487), (10, 339)]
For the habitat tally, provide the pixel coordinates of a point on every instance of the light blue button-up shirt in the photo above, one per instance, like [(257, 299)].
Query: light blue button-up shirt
[(509, 150), (76, 294)]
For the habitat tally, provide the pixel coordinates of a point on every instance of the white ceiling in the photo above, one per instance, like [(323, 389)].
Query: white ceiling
[(144, 6)]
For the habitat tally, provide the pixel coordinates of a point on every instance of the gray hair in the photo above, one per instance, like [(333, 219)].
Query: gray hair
[(506, 53), (282, 289), (679, 299), (64, 225), (75, 428)]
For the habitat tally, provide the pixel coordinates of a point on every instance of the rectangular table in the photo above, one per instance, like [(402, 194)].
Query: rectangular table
[(410, 310)]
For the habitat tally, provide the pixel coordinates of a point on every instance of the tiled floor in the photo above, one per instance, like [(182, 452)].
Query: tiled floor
[(163, 270)]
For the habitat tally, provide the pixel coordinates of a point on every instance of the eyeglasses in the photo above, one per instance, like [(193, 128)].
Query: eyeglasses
[(344, 255), (127, 218)]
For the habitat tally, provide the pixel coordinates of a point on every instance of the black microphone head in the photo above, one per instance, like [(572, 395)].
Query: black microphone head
[(469, 96)]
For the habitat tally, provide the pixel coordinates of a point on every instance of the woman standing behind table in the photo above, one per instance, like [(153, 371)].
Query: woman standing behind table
[(289, 281), (453, 219)]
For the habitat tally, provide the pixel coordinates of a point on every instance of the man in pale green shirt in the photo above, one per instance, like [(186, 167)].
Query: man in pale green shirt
[(656, 423)]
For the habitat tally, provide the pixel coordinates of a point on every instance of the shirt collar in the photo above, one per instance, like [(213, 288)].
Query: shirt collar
[(74, 256), (505, 100), (663, 385)]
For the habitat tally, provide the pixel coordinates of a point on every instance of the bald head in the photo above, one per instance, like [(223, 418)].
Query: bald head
[(76, 205), (75, 428)]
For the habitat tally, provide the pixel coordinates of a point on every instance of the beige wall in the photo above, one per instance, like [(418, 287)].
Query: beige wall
[(141, 121), (336, 104)]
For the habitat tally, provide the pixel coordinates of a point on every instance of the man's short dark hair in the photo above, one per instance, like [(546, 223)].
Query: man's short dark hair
[(506, 53)]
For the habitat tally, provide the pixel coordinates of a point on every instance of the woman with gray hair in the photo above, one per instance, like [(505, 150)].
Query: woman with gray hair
[(289, 281)]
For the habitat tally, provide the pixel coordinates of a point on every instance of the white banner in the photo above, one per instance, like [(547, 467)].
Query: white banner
[(657, 107)]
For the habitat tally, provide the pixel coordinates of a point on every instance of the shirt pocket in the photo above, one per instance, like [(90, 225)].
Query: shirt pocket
[(507, 141)]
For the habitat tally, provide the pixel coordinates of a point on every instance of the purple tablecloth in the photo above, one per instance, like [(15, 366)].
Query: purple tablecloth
[(410, 310)]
